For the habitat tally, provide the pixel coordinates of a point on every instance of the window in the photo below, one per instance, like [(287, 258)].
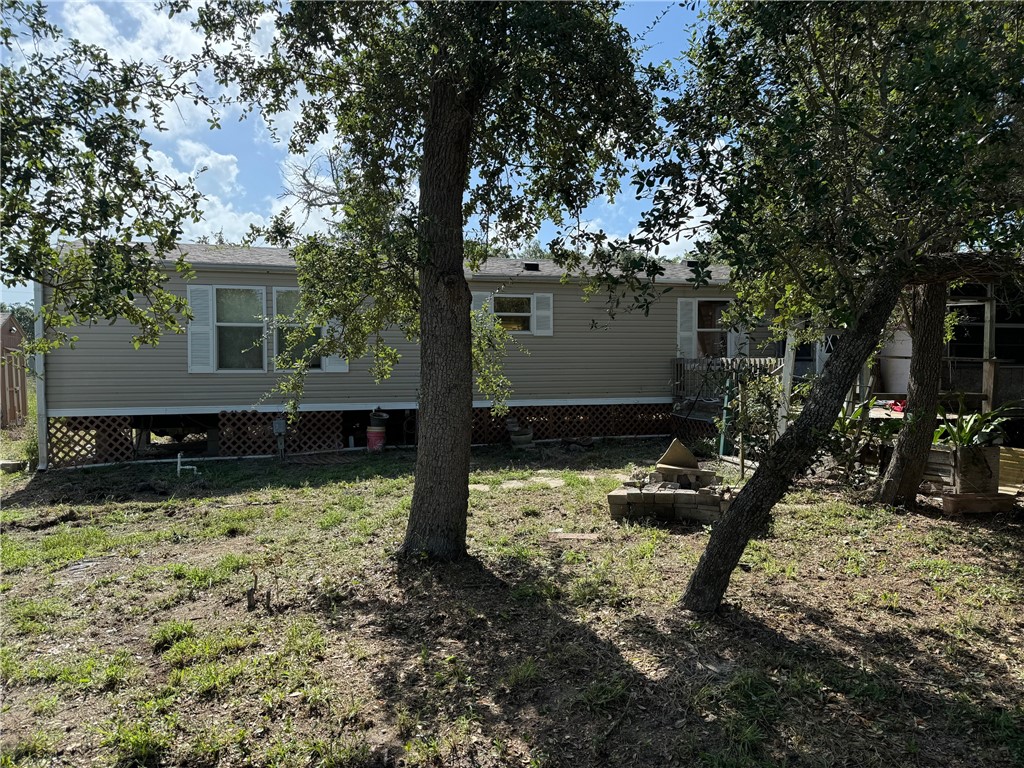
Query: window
[(712, 336), (227, 328), (286, 301), (969, 334), (531, 313), (514, 312), (239, 329), (700, 331)]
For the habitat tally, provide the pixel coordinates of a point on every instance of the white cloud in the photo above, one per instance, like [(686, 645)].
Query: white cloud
[(215, 173), (219, 214)]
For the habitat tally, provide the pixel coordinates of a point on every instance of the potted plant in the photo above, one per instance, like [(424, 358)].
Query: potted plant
[(973, 450)]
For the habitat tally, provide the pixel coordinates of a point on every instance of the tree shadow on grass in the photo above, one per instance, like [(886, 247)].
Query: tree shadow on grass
[(478, 667), (800, 686)]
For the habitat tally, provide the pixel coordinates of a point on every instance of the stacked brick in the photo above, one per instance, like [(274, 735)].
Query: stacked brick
[(673, 493)]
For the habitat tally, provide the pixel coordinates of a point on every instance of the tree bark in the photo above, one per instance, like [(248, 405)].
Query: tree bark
[(793, 452), (910, 456), (437, 520)]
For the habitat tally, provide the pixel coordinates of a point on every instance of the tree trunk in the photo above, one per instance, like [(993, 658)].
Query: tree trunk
[(793, 452), (927, 329), (437, 520)]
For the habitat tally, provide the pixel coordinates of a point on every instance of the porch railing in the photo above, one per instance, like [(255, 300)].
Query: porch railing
[(705, 377)]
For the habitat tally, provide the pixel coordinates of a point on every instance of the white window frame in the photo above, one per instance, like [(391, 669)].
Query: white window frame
[(278, 324), (698, 330), (531, 314), (488, 298), (688, 330), (217, 324)]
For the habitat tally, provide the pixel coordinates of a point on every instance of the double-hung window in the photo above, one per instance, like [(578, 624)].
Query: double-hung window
[(239, 328), (700, 331), (526, 313), (515, 313), (228, 327), (226, 330), (286, 302)]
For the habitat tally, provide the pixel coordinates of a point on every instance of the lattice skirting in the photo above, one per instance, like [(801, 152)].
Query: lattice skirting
[(568, 421), (74, 441), (81, 440), (251, 433)]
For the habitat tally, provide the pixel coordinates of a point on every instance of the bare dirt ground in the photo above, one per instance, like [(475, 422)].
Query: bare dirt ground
[(854, 635)]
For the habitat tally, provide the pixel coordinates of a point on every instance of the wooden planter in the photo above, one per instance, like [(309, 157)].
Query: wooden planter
[(976, 469), (968, 468)]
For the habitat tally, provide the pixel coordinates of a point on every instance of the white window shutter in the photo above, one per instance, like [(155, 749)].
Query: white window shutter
[(200, 329), (479, 299), (686, 328), (543, 314), (335, 363)]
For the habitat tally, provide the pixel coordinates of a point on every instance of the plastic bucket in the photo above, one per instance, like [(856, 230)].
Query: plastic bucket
[(378, 419), (375, 439)]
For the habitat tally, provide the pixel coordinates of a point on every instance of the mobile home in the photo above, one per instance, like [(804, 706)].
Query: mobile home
[(102, 400)]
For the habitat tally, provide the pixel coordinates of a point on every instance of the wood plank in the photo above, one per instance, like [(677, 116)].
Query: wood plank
[(1011, 470), (980, 503)]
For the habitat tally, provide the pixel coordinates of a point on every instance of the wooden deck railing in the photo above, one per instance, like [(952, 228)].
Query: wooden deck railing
[(705, 377)]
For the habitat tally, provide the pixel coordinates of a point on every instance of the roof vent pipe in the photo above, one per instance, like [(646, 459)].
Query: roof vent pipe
[(531, 266)]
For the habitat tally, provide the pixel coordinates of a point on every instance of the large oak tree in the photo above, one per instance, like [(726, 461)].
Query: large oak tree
[(429, 116), (839, 149)]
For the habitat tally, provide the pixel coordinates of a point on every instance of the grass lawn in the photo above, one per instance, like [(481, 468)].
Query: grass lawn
[(854, 636)]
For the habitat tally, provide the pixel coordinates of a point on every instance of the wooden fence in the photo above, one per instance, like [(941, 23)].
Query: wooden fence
[(14, 395)]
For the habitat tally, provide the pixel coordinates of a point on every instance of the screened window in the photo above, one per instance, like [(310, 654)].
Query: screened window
[(239, 329), (286, 302), (514, 312)]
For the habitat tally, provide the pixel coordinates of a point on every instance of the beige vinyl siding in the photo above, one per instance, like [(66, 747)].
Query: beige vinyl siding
[(629, 357)]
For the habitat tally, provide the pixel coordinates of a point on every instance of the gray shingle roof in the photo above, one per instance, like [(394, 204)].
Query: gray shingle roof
[(277, 258)]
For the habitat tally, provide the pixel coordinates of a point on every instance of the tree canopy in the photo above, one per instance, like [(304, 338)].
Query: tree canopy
[(83, 210), (829, 142)]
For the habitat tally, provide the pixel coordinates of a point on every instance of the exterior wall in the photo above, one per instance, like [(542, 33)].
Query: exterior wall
[(628, 359)]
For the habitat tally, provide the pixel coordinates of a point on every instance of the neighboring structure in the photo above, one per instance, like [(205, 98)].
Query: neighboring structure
[(100, 401), (13, 384)]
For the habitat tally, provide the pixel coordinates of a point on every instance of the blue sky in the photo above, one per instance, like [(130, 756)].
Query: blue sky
[(245, 168)]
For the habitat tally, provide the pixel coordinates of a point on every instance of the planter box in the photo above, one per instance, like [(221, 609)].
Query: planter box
[(967, 469), (960, 503), (976, 469)]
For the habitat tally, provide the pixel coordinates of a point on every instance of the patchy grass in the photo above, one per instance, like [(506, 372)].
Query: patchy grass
[(255, 617)]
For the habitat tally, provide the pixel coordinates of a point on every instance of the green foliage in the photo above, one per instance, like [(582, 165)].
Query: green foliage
[(832, 143), (169, 633), (756, 416), (856, 439), (80, 190), (974, 428), (137, 743)]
